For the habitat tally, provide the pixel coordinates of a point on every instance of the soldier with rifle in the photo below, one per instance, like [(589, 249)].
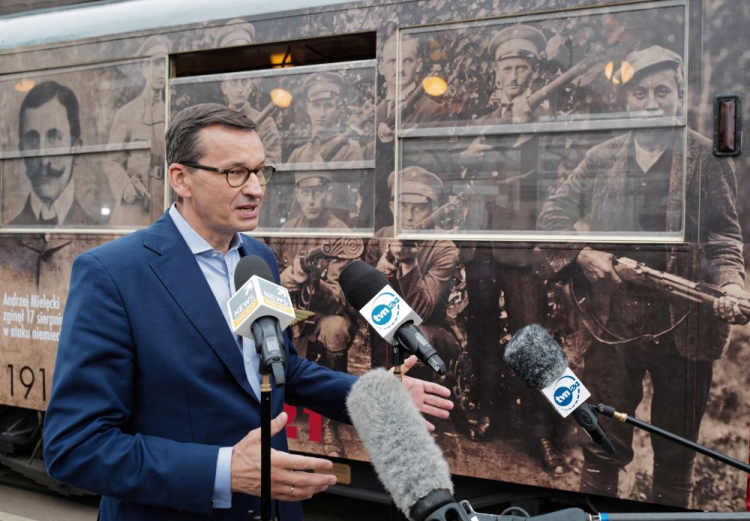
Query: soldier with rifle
[(311, 272), (421, 272), (417, 108), (641, 183), (330, 142), (503, 178)]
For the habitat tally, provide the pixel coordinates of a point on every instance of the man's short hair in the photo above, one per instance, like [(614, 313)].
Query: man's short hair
[(182, 136), (43, 93)]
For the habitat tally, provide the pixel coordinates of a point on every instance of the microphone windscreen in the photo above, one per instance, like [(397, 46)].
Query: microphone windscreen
[(535, 357), (360, 282), (406, 458), (247, 267)]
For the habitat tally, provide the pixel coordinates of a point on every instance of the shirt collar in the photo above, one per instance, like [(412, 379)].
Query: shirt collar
[(61, 205), (195, 242)]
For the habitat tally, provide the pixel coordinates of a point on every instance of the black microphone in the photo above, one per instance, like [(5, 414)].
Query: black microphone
[(540, 362), (367, 290), (261, 309)]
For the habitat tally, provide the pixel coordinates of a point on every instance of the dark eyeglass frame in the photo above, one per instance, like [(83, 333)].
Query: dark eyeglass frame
[(267, 171)]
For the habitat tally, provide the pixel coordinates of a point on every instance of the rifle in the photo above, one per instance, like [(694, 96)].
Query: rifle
[(673, 285), (330, 149), (440, 214), (344, 248)]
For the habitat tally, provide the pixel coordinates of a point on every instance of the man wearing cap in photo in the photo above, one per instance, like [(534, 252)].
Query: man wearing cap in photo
[(516, 51), (417, 108), (503, 176), (324, 93), (326, 337), (634, 184), (236, 95), (422, 273)]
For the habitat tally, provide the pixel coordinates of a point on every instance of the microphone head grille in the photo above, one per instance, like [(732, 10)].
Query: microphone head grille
[(535, 357), (360, 282), (249, 266)]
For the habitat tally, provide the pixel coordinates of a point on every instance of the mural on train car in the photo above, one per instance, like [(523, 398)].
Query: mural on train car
[(578, 125)]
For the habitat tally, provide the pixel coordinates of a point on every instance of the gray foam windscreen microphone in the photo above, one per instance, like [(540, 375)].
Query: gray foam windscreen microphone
[(406, 458), (535, 357)]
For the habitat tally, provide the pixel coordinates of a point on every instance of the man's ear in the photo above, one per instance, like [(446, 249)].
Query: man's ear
[(390, 205), (419, 65), (179, 179)]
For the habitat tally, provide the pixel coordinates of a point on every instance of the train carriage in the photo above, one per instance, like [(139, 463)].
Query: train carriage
[(503, 162)]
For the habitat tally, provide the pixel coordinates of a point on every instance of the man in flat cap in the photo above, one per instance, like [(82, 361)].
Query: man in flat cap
[(634, 184), (422, 273), (313, 284)]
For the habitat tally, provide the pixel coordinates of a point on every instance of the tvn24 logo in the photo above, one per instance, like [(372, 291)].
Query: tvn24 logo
[(385, 309), (567, 393)]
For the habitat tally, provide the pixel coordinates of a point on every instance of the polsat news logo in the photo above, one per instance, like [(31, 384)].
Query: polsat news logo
[(567, 393), (385, 309)]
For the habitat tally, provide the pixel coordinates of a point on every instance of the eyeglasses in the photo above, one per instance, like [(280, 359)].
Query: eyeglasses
[(239, 175)]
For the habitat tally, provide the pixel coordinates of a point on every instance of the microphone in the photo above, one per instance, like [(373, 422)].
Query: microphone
[(406, 458), (536, 358), (368, 291), (261, 310)]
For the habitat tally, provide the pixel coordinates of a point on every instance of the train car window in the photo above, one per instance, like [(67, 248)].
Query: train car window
[(317, 123), (82, 148), (535, 127)]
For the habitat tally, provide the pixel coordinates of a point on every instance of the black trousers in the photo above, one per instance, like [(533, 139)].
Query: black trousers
[(614, 375)]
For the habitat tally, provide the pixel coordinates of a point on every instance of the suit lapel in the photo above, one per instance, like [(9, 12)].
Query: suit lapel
[(182, 277)]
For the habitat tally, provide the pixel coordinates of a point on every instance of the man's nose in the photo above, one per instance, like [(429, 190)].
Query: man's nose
[(651, 102), (252, 187)]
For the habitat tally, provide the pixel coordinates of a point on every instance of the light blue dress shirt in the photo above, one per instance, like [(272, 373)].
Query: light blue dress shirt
[(219, 272)]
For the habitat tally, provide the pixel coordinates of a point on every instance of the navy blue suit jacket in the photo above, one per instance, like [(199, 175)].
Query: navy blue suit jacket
[(149, 383)]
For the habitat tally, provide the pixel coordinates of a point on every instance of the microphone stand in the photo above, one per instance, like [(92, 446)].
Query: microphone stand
[(396, 359), (265, 447), (610, 412)]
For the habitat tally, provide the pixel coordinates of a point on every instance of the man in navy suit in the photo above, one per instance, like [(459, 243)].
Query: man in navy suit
[(155, 403)]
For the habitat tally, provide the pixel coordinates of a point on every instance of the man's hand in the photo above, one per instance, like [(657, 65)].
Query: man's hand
[(288, 481), (385, 133), (597, 266), (130, 194), (386, 267), (475, 150), (429, 397), (726, 309), (406, 255), (294, 277), (521, 110)]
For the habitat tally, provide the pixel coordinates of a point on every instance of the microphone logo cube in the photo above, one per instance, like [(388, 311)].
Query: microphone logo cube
[(566, 394), (386, 312), (258, 298)]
